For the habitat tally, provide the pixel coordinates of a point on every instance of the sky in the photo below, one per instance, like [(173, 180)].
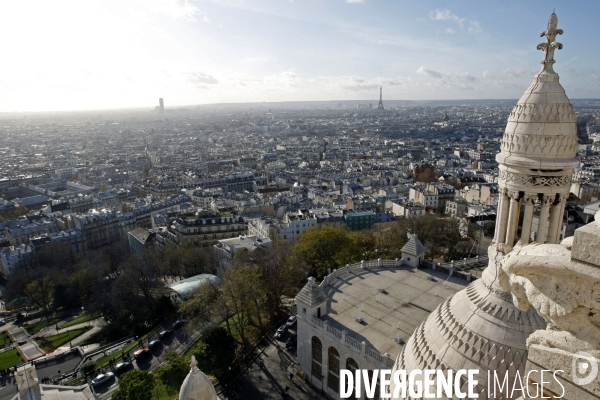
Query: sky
[(92, 54)]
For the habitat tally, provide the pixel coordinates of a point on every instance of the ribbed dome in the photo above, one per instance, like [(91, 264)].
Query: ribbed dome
[(541, 134), (197, 386), (479, 327)]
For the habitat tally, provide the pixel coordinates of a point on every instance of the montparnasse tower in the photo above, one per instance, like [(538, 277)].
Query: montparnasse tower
[(479, 327)]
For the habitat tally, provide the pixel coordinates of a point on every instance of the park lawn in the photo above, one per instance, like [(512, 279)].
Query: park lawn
[(10, 358), (5, 338), (51, 343), (38, 326), (80, 320)]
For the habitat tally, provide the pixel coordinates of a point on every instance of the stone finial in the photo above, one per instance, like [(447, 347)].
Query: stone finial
[(550, 44), (193, 363)]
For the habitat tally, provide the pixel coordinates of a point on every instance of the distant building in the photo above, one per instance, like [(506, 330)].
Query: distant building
[(408, 210), (140, 239), (357, 220), (225, 250), (74, 237), (205, 229), (457, 208), (14, 258), (65, 173), (101, 228)]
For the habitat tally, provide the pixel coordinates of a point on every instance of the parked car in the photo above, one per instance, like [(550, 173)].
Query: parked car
[(281, 331), (177, 324), (123, 366), (141, 352), (165, 333), (102, 378), (291, 321), (292, 342), (154, 344)]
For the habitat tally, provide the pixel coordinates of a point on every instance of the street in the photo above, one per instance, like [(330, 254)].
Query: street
[(269, 375)]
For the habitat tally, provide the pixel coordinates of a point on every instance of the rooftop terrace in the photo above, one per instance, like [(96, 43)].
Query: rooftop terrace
[(408, 297)]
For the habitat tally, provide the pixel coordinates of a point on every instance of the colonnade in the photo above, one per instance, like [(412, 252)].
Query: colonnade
[(509, 209)]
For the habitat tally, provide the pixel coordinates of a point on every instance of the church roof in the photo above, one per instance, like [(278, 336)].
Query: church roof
[(197, 386), (413, 247), (541, 130)]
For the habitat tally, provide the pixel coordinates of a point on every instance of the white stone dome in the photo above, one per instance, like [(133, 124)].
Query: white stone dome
[(480, 327), (196, 385), (540, 140), (477, 328)]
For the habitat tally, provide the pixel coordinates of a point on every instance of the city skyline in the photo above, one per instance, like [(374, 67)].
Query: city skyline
[(105, 55)]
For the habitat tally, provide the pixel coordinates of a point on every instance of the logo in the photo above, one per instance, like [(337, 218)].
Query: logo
[(584, 368)]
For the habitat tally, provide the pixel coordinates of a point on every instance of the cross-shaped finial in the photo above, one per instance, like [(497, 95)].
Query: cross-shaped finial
[(193, 362), (550, 44)]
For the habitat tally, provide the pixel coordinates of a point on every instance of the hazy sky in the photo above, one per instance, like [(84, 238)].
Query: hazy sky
[(85, 54)]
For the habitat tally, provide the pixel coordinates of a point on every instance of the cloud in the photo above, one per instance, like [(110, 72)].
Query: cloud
[(201, 79), (517, 72), (355, 1), (391, 82), (445, 15), (474, 27), (450, 30), (429, 72), (361, 87), (462, 80), (360, 84), (594, 74), (486, 74)]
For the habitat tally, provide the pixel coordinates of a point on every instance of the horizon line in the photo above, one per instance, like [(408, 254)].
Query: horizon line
[(175, 107)]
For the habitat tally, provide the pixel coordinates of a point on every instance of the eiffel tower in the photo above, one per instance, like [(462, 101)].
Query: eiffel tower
[(380, 106)]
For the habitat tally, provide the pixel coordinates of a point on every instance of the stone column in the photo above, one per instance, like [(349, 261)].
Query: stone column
[(556, 214), (543, 225), (513, 219), (528, 217), (502, 218)]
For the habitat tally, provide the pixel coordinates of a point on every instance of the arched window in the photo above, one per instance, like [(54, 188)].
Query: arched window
[(352, 366), (317, 358), (333, 370), (377, 389)]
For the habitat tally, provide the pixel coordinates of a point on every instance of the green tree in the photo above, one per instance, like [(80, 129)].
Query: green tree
[(40, 290), (281, 270), (437, 234), (173, 371), (199, 306), (215, 352), (328, 248), (135, 385), (160, 391), (244, 294)]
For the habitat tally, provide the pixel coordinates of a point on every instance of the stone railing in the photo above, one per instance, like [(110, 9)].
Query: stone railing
[(382, 359), (361, 347), (350, 268), (459, 268), (353, 343), (466, 263), (334, 332)]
